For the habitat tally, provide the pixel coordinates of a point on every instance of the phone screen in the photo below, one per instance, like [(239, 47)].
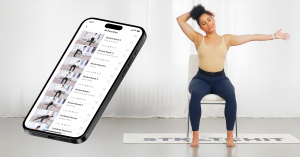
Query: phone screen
[(83, 77)]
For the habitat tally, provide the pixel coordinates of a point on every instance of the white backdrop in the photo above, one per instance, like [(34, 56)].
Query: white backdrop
[(265, 74)]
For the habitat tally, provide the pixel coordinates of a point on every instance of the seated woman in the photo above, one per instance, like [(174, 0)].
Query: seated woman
[(60, 90), (80, 50), (51, 103), (93, 38), (74, 65), (66, 77)]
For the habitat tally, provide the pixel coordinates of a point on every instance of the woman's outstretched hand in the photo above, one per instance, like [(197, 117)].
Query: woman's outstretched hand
[(283, 36), (211, 13)]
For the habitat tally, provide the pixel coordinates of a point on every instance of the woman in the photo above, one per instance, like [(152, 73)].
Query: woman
[(37, 127), (51, 103), (80, 50), (66, 77), (60, 90), (210, 78), (47, 117), (74, 65), (93, 38)]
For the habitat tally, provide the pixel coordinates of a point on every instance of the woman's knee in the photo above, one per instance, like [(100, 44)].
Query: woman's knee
[(230, 94)]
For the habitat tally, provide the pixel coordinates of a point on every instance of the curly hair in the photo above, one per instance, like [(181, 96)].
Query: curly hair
[(197, 11)]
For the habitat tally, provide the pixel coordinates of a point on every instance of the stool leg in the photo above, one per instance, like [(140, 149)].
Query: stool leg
[(188, 118)]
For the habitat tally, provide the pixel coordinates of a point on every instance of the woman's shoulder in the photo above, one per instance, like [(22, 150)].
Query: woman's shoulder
[(227, 36)]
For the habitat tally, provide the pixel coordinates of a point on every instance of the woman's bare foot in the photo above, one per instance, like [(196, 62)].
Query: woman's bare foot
[(229, 139), (195, 142)]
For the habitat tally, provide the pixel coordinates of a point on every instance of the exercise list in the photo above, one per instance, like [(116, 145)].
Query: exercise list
[(95, 82)]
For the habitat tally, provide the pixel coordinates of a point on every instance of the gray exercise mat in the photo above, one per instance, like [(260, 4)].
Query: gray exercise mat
[(207, 138)]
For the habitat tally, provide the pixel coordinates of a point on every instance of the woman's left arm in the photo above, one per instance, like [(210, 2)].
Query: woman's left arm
[(241, 39)]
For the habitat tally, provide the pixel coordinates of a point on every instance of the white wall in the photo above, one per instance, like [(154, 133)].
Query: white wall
[(266, 74), (39, 32)]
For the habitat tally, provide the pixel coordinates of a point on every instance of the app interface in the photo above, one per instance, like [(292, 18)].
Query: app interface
[(83, 78)]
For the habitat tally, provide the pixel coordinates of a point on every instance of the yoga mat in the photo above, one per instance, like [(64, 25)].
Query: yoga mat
[(207, 138)]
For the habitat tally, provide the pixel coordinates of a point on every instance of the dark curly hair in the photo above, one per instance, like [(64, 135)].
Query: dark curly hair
[(197, 11)]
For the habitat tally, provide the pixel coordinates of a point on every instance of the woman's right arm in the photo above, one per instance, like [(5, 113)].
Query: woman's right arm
[(186, 28)]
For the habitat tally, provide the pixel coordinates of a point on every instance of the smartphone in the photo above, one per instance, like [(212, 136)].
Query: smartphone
[(84, 80)]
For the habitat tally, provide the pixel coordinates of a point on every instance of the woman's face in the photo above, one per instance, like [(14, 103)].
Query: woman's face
[(207, 23)]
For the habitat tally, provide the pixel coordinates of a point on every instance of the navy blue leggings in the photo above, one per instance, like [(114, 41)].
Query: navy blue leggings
[(220, 85)]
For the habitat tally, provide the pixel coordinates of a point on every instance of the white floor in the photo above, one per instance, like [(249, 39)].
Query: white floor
[(107, 139)]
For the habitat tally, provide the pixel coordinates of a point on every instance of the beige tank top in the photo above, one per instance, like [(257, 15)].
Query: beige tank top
[(212, 60)]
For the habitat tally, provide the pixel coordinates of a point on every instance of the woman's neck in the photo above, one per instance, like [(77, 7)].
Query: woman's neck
[(212, 36)]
